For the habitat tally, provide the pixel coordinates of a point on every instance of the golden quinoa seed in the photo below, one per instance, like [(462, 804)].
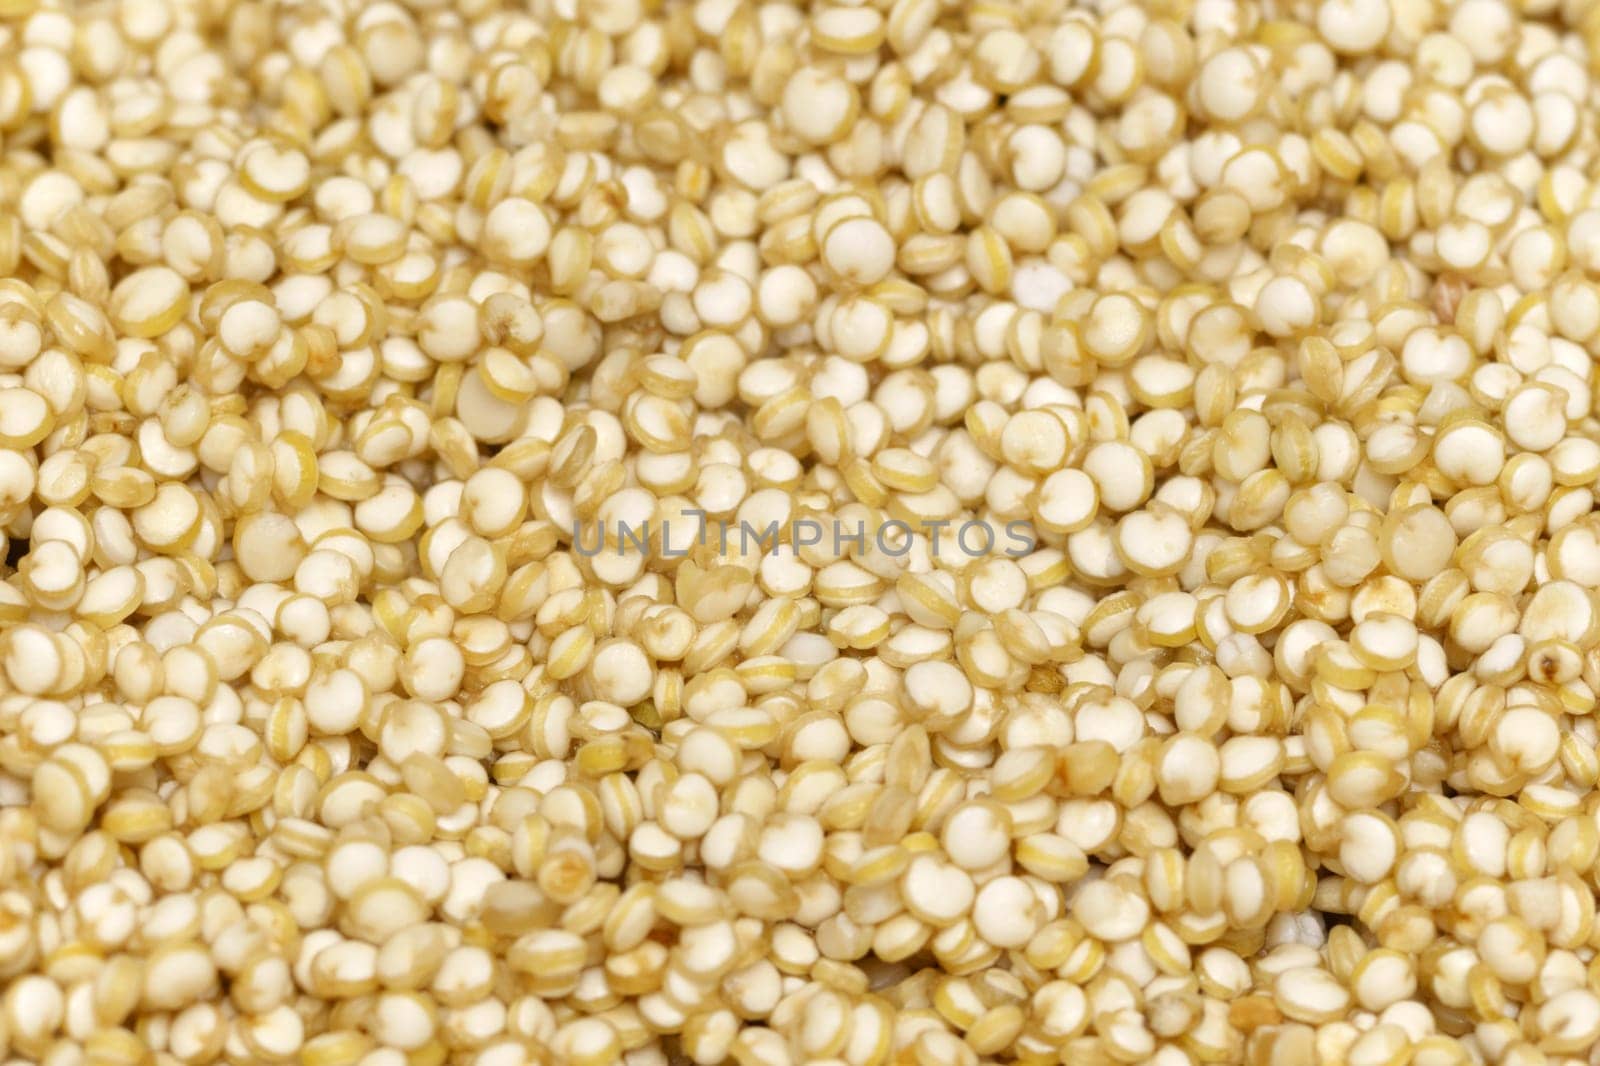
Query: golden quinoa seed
[(903, 533)]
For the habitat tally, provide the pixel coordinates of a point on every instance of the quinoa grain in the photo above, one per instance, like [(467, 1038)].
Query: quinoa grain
[(412, 644)]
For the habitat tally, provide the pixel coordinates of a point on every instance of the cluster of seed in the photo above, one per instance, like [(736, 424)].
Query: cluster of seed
[(326, 326)]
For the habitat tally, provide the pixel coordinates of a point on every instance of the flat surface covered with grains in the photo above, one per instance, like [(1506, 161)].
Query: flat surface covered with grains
[(778, 532)]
